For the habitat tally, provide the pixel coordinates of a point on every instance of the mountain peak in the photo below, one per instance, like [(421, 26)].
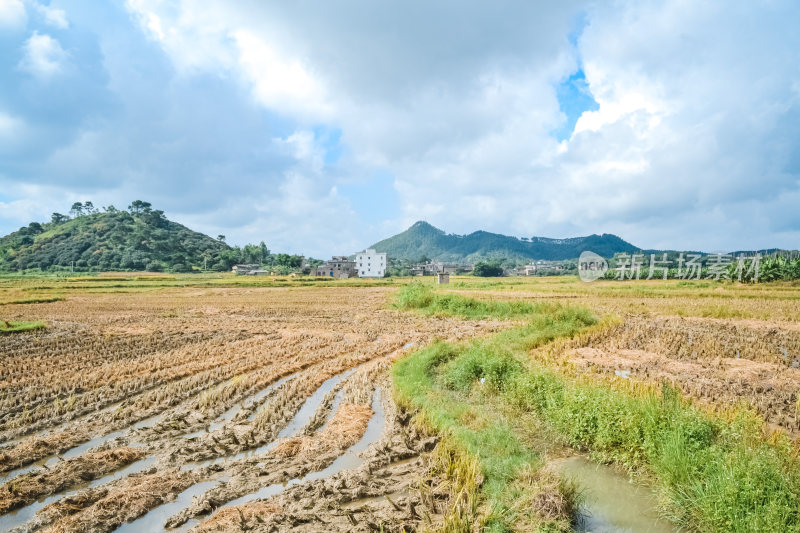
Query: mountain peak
[(422, 240), (423, 224)]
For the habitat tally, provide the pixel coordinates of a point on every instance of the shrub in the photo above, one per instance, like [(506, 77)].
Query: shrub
[(488, 269)]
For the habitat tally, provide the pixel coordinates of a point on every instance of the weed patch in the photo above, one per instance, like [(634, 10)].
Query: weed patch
[(7, 327)]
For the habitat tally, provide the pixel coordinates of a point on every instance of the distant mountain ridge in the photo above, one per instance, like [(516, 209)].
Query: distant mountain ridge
[(423, 239)]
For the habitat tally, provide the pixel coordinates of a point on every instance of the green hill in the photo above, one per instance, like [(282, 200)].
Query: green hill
[(139, 239), (422, 239)]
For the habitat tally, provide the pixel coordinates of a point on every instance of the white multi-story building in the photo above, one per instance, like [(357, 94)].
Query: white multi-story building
[(371, 264)]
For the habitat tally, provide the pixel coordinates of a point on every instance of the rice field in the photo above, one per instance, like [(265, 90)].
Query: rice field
[(215, 403)]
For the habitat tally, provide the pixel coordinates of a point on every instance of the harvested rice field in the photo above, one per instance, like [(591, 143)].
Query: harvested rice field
[(213, 404)]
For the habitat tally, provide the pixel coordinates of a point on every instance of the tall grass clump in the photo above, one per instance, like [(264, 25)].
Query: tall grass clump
[(18, 327), (422, 297)]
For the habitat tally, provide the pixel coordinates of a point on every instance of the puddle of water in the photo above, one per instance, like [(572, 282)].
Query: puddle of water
[(227, 416), (347, 461), (194, 434), (256, 398), (53, 459), (145, 423), (612, 503), (86, 446), (350, 459), (231, 413), (149, 422), (361, 502), (133, 468), (298, 422), (65, 425), (337, 401), (8, 476), (247, 403), (309, 408), (154, 520), (24, 514)]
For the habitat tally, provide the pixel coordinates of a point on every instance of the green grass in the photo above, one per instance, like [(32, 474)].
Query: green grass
[(421, 297), (17, 327), (38, 300), (438, 381), (714, 474)]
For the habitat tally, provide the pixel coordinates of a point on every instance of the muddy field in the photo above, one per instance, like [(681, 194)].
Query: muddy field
[(215, 409), (270, 409)]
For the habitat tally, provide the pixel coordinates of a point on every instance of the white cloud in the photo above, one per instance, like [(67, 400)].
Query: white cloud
[(694, 143), (53, 16), (43, 56), (196, 38), (12, 14), (9, 125), (279, 83)]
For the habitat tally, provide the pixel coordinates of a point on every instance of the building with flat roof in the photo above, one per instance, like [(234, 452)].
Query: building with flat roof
[(371, 264), (339, 267)]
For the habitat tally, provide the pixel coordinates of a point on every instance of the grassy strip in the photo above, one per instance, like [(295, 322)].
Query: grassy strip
[(716, 474), (421, 297), (42, 300), (437, 380), (16, 327)]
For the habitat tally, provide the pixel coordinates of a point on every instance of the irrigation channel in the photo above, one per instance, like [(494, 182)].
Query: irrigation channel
[(22, 515), (612, 503), (156, 518)]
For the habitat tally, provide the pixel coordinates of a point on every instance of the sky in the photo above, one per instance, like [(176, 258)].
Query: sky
[(323, 127)]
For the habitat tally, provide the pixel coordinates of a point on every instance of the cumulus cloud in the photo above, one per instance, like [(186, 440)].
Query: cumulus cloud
[(43, 56), (12, 14), (52, 16)]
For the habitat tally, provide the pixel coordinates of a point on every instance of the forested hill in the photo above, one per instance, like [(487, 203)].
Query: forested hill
[(424, 240), (138, 239)]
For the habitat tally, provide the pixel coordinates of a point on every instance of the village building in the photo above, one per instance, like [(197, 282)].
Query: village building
[(339, 267), (245, 270), (371, 264), (432, 268)]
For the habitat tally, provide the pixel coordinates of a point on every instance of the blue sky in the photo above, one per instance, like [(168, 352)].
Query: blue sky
[(321, 129), (574, 99)]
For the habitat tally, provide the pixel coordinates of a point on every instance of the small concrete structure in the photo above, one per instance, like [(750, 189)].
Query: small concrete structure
[(442, 279)]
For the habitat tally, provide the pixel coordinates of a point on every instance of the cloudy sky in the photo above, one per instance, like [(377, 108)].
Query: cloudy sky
[(321, 127)]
